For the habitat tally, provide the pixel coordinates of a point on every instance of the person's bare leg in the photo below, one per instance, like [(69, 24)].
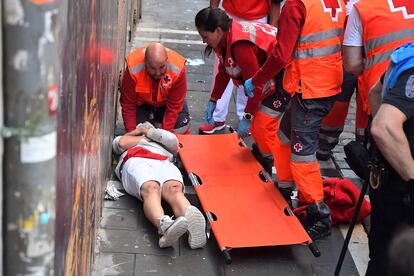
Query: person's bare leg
[(151, 196), (172, 192)]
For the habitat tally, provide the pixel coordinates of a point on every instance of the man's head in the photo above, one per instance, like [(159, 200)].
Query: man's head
[(401, 253), (156, 60)]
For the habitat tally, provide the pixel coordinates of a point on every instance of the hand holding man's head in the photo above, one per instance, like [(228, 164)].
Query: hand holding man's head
[(156, 60)]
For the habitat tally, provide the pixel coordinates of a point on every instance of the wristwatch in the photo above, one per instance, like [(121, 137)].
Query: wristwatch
[(248, 116)]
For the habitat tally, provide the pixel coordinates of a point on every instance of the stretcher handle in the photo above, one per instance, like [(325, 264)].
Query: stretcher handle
[(232, 130), (226, 255), (314, 249), (195, 182), (194, 179)]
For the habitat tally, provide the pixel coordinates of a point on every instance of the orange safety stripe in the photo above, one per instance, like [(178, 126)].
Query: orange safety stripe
[(316, 68)]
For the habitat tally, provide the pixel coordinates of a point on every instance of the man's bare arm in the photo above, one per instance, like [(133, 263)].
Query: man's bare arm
[(274, 13), (132, 138), (353, 59), (387, 129), (375, 97), (214, 3)]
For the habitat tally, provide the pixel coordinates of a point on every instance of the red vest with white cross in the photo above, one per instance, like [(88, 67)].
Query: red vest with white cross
[(260, 34), (386, 25)]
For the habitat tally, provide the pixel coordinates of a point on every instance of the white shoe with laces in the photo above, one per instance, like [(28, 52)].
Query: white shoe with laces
[(171, 230), (196, 227)]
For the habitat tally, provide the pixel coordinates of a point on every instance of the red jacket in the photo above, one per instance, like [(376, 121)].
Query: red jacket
[(139, 88), (242, 50), (341, 195)]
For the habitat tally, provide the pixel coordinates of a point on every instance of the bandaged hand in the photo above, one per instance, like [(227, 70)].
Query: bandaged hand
[(139, 131), (145, 124)]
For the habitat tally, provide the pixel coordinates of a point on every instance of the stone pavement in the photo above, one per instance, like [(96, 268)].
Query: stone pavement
[(128, 244)]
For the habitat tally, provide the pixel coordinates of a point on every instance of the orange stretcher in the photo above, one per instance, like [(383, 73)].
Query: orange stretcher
[(241, 203)]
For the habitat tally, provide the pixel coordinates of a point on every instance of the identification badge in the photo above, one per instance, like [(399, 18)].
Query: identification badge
[(409, 87)]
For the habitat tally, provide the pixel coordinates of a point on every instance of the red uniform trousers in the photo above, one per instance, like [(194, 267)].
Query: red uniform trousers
[(265, 123), (296, 143), (333, 124)]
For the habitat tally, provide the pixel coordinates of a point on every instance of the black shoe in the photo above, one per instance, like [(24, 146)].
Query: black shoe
[(323, 155), (318, 230), (266, 162), (287, 194), (319, 221)]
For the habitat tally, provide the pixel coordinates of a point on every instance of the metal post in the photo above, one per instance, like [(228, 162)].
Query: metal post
[(31, 73), (1, 144)]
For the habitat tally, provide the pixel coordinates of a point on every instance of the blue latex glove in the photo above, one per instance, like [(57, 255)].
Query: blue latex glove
[(208, 114), (243, 129), (248, 88)]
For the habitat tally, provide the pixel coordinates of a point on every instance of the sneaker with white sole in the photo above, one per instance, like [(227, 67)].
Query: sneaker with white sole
[(196, 227), (210, 129), (171, 230)]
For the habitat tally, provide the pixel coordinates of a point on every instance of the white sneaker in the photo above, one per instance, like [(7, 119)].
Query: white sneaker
[(171, 230), (196, 227)]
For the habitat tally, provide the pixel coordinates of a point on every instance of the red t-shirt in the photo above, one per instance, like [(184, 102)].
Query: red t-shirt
[(247, 9), (144, 153)]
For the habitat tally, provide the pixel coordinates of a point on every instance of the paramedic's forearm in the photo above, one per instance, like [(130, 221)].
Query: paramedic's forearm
[(387, 130), (353, 59), (274, 13), (375, 98), (214, 3)]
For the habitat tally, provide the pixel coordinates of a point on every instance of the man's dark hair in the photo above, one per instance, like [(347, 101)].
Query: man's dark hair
[(401, 253), (208, 19)]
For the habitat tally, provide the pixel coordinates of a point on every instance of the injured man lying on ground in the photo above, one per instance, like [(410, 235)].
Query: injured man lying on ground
[(147, 172)]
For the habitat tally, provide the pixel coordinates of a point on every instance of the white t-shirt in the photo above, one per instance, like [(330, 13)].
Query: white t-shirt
[(349, 6), (353, 30)]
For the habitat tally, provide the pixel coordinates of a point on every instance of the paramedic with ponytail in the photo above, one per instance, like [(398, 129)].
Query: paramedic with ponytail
[(242, 48)]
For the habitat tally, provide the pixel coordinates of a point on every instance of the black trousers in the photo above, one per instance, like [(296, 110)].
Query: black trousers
[(151, 114), (392, 209)]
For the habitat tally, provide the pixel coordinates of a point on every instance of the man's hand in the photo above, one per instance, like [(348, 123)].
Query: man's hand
[(139, 131), (243, 129), (248, 88), (145, 124), (208, 114)]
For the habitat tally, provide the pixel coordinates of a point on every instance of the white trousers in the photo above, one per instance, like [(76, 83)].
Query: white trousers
[(222, 107)]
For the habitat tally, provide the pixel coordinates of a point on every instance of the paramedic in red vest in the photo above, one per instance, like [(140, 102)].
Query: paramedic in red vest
[(333, 124), (239, 10), (311, 31), (376, 28), (154, 87), (242, 48)]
